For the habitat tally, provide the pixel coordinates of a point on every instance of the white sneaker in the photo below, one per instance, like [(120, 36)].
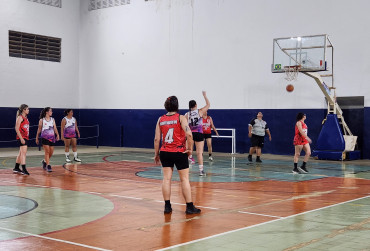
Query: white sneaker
[(210, 158), (202, 173), (77, 159), (68, 160)]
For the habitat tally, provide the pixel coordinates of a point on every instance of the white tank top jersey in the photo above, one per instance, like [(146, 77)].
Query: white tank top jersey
[(195, 121), (70, 128), (47, 131), (47, 125)]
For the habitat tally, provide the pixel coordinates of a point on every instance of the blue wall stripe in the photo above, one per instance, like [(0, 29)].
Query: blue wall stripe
[(138, 126)]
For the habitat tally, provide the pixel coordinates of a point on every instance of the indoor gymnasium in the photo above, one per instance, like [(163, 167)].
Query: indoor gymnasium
[(184, 125)]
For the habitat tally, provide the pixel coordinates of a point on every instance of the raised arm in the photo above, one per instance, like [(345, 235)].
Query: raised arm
[(157, 140), (206, 107)]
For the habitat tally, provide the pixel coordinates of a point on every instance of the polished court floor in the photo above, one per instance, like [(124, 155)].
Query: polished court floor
[(113, 201)]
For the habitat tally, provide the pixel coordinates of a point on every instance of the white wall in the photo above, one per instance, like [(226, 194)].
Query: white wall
[(134, 56), (40, 83)]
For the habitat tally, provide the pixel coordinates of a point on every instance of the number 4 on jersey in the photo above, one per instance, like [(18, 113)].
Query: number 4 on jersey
[(169, 136)]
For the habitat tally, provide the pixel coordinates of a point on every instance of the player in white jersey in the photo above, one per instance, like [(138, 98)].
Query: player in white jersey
[(194, 117), (70, 132), (48, 130)]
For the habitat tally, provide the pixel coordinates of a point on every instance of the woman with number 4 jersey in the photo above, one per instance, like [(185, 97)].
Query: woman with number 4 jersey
[(172, 129), (69, 131), (194, 117)]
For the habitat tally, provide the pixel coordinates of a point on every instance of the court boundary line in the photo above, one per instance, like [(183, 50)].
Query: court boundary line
[(53, 239), (259, 224), (266, 215)]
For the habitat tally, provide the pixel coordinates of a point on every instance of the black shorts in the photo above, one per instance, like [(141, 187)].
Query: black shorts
[(47, 142), (169, 159), (207, 135), (20, 143), (198, 137), (69, 138), (258, 141)]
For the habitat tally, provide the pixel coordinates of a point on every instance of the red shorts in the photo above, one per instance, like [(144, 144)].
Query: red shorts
[(299, 141)]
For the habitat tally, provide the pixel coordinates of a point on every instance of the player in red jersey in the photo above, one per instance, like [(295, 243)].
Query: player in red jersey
[(301, 141), (207, 132), (22, 128), (172, 128)]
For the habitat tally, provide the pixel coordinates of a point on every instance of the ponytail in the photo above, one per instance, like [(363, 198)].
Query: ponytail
[(43, 112), (67, 111), (192, 104), (21, 108)]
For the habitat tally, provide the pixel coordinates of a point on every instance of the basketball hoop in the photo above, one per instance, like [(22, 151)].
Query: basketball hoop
[(291, 72)]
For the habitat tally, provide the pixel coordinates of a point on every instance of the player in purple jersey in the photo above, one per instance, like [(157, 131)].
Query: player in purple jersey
[(69, 132), (48, 130), (194, 117)]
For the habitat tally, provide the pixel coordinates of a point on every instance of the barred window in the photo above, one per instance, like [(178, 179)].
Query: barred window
[(100, 4), (55, 3), (32, 46)]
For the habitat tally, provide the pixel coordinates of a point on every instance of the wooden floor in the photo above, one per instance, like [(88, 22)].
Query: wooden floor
[(113, 201)]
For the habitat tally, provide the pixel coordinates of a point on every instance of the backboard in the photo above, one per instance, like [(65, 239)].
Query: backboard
[(307, 53)]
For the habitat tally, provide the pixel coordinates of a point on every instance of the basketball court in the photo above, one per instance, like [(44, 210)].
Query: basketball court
[(118, 63), (113, 201)]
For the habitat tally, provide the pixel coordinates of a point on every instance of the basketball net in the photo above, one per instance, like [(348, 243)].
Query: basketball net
[(291, 72)]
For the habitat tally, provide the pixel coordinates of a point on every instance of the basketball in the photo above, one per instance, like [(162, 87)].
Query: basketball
[(289, 88)]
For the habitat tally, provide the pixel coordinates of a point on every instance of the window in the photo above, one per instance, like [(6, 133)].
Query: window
[(55, 3), (100, 4), (26, 45)]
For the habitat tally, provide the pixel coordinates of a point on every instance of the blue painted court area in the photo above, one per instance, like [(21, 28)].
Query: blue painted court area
[(239, 170), (14, 205)]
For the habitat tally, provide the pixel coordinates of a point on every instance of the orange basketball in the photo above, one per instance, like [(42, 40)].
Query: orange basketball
[(290, 88)]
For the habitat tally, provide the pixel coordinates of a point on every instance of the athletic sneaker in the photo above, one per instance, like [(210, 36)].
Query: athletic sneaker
[(295, 170), (202, 173), (192, 161), (17, 170), (192, 210), (210, 158), (43, 164), (302, 169), (49, 168), (68, 160), (258, 160), (77, 159), (24, 171), (167, 209), (250, 158)]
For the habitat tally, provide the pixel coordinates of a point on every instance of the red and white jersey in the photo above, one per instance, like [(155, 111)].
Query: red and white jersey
[(24, 128), (207, 125), (173, 136), (298, 138)]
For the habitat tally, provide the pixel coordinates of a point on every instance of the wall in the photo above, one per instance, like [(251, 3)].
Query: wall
[(34, 82), (129, 58), (136, 55)]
